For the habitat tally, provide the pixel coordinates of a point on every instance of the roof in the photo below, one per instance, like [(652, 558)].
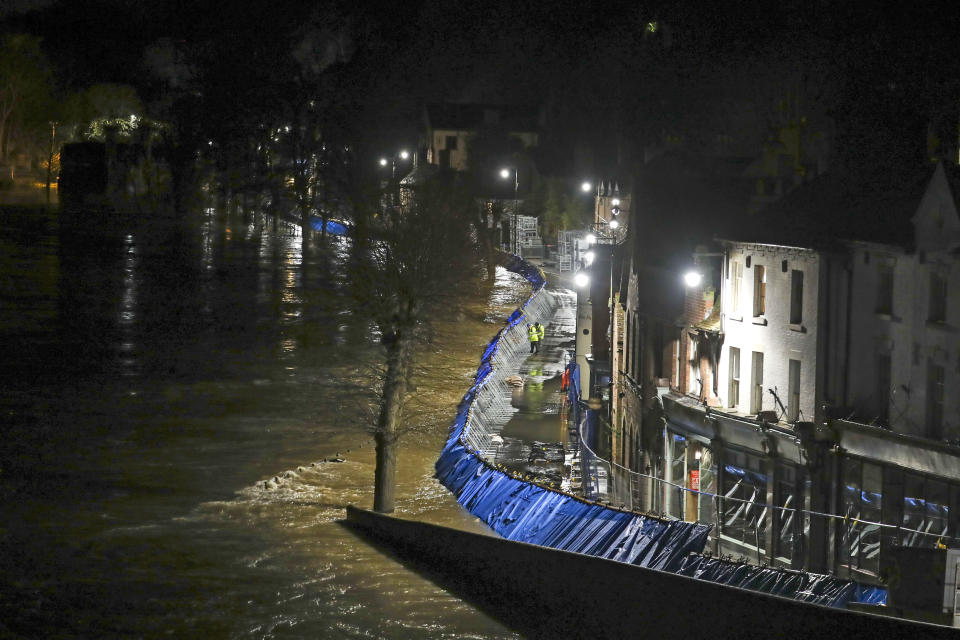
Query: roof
[(475, 116), (836, 207)]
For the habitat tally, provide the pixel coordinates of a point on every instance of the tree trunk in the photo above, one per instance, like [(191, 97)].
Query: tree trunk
[(386, 437)]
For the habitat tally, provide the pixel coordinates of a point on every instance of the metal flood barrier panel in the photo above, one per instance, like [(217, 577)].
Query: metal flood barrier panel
[(527, 512)]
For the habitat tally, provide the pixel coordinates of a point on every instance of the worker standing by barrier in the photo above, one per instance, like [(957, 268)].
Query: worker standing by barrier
[(534, 336), (540, 334)]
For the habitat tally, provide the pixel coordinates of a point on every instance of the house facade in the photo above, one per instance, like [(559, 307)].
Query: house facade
[(807, 414)]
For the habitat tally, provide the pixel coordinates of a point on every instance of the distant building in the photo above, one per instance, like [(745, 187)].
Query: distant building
[(448, 128)]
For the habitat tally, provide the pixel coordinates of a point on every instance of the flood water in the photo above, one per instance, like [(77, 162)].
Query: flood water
[(170, 393)]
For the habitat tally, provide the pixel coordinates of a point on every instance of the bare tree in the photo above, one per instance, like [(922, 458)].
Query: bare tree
[(420, 256)]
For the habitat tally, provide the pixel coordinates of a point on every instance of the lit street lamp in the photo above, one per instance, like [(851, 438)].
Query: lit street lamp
[(692, 279), (581, 279), (403, 154), (505, 174)]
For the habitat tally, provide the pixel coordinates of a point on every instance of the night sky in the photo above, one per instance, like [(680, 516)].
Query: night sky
[(614, 78)]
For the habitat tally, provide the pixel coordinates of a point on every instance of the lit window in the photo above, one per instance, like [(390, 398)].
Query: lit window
[(736, 278), (756, 397), (793, 393), (734, 398), (759, 290)]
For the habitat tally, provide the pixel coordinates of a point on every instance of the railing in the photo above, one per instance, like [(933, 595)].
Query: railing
[(739, 514)]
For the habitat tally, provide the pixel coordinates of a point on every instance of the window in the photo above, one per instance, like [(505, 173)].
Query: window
[(883, 387), (938, 298), (796, 296), (736, 278), (785, 518), (734, 398), (744, 491), (628, 343), (693, 383), (451, 143), (935, 384), (756, 396), (793, 397), (884, 288), (862, 506), (759, 290)]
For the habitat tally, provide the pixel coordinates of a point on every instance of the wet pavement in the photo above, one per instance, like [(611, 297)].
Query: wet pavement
[(534, 440)]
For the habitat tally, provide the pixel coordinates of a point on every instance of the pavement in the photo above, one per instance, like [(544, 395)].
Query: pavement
[(535, 437)]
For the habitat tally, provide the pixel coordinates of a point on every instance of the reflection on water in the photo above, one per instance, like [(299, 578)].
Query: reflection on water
[(174, 392)]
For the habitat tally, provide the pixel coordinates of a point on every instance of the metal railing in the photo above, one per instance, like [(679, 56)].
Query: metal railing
[(740, 522)]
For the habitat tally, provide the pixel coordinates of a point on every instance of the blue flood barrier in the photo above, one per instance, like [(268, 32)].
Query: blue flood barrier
[(527, 512), (333, 227)]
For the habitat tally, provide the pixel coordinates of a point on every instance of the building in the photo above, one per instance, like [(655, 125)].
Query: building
[(805, 412), (450, 127)]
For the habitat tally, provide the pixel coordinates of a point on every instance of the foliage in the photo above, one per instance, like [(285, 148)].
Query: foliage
[(88, 113), (25, 87), (563, 208), (422, 251), (419, 256)]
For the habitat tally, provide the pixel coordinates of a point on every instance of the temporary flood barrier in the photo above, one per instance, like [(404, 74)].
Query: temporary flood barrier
[(524, 511)]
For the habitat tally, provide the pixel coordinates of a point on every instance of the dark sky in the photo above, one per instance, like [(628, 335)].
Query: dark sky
[(721, 65)]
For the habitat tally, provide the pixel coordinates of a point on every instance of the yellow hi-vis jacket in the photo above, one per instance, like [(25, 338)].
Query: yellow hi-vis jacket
[(532, 333), (540, 331)]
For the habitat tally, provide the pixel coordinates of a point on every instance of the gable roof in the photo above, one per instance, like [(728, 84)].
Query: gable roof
[(835, 207)]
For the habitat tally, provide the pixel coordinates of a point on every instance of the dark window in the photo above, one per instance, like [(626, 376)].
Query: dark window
[(786, 516), (744, 493), (883, 387), (796, 297), (862, 506), (938, 298), (451, 142), (884, 288), (935, 384)]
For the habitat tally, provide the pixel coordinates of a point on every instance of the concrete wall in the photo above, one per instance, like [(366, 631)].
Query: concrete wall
[(772, 333), (546, 593)]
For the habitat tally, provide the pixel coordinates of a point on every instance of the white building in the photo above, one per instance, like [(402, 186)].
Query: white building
[(906, 315), (769, 306)]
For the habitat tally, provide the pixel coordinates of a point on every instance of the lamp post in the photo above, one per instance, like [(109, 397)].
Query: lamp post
[(515, 235), (53, 135), (404, 155)]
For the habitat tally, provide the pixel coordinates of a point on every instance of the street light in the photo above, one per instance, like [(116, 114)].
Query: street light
[(692, 279), (588, 257), (581, 279), (505, 174), (586, 186), (614, 224), (591, 239)]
